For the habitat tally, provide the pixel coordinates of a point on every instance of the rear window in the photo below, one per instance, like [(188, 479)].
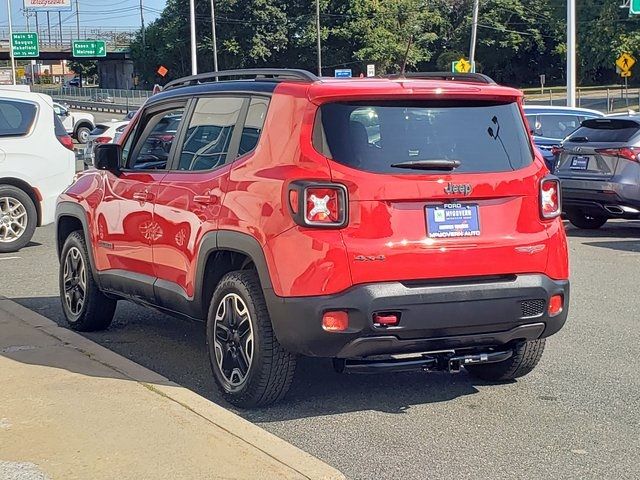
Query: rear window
[(99, 130), (482, 136), (60, 131), (16, 117), (605, 130)]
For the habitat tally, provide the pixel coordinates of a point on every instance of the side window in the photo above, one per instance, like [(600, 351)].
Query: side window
[(253, 125), (207, 140), (58, 109), (533, 124), (152, 149), (16, 117)]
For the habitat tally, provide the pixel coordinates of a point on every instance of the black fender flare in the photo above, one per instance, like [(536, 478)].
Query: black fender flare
[(74, 210)]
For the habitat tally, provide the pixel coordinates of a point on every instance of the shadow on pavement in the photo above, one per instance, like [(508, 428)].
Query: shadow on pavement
[(176, 349), (622, 245), (612, 229)]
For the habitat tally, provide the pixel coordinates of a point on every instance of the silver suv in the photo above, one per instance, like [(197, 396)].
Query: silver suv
[(599, 166)]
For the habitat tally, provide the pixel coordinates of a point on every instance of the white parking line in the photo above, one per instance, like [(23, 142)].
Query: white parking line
[(9, 258)]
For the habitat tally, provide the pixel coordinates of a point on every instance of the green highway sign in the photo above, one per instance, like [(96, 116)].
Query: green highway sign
[(634, 7), (25, 45), (89, 48)]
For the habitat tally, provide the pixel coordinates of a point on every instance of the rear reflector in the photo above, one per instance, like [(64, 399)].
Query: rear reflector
[(337, 321), (627, 152), (386, 319), (555, 305), (550, 198), (66, 141)]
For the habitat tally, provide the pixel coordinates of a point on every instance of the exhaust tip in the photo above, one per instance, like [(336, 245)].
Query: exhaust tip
[(614, 209)]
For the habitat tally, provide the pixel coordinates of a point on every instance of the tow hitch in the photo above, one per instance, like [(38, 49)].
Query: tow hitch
[(446, 361)]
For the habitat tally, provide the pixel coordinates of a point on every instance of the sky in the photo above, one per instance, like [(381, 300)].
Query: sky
[(93, 13)]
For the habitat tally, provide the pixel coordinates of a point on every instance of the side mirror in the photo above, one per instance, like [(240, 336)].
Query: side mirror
[(107, 156)]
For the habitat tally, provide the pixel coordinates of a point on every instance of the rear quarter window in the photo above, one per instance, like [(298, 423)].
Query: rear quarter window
[(605, 130), (372, 136), (16, 117)]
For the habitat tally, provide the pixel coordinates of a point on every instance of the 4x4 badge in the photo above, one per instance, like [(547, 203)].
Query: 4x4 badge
[(454, 188)]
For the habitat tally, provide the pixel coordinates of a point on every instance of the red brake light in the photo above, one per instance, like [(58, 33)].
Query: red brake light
[(66, 141), (555, 305), (550, 198), (315, 204), (337, 321), (103, 140), (629, 153)]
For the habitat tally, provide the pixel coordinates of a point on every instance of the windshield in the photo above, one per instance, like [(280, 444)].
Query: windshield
[(605, 130), (482, 136)]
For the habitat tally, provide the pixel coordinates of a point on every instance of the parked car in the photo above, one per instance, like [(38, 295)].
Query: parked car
[(550, 125), (428, 238), (36, 164), (102, 98), (74, 82), (599, 165), (76, 124), (106, 132)]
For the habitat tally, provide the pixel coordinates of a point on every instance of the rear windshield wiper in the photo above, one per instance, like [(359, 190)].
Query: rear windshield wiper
[(429, 164), (579, 139)]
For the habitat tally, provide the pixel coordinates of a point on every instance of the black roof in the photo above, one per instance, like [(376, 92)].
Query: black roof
[(244, 86)]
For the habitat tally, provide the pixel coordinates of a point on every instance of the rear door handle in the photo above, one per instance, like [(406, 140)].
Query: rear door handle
[(143, 197), (207, 199)]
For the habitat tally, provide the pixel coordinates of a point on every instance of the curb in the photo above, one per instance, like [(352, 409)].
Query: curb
[(304, 463)]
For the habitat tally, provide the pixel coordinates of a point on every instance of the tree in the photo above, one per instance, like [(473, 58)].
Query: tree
[(84, 68)]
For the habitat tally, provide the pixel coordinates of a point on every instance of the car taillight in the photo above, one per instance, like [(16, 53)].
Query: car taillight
[(630, 153), (318, 204), (102, 140), (556, 150), (550, 206), (66, 141)]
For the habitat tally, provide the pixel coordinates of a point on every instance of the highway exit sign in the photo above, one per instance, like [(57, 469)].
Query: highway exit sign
[(89, 48), (634, 7), (25, 45)]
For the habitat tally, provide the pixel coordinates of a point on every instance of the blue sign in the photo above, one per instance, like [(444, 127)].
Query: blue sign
[(453, 220), (343, 73)]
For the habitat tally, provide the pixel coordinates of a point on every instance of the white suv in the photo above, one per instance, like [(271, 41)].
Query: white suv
[(77, 124), (36, 164)]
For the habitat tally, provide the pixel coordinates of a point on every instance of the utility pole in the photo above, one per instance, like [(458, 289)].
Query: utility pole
[(144, 39), (319, 40), (194, 53), (78, 19), (49, 27), (474, 34), (60, 26), (13, 60), (571, 53), (213, 35)]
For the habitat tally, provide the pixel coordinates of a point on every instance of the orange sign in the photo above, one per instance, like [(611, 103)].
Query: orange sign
[(162, 70)]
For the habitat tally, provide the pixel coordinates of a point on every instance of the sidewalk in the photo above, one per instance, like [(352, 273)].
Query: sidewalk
[(71, 409)]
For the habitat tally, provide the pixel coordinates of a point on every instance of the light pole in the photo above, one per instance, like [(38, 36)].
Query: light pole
[(474, 33), (571, 53), (213, 35), (318, 35), (192, 23), (78, 19), (13, 60)]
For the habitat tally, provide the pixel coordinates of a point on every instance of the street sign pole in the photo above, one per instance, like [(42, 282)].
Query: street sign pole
[(213, 36), (194, 45), (571, 53), (13, 60), (474, 32), (318, 31)]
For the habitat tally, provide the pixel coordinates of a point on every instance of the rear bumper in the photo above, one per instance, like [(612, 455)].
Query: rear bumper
[(612, 200), (443, 315)]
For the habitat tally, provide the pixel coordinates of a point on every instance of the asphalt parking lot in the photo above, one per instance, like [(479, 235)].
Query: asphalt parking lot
[(576, 416)]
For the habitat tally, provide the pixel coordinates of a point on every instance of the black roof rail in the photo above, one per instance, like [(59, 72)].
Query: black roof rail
[(461, 77), (256, 73)]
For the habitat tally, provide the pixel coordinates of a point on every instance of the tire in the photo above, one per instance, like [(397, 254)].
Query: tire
[(94, 310), (526, 356), (232, 348), (586, 221), (18, 218), (82, 134)]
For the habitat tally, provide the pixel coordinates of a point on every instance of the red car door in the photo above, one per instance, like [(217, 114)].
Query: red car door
[(190, 197), (126, 227)]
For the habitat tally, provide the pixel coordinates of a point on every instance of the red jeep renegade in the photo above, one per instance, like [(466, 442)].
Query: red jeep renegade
[(389, 224)]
